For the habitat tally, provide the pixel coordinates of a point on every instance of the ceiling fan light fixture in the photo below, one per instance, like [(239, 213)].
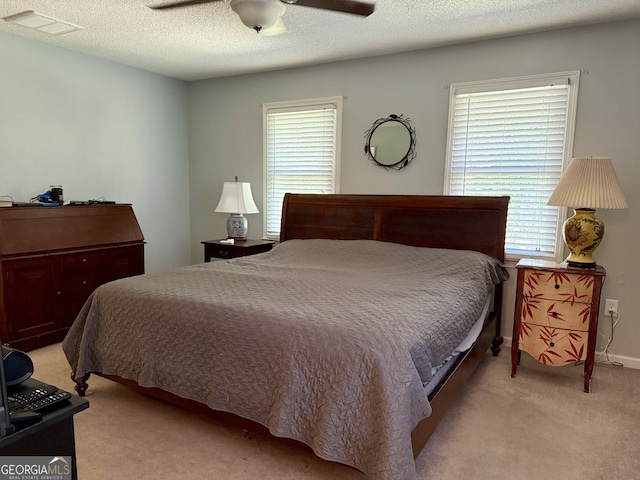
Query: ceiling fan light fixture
[(278, 29), (258, 14)]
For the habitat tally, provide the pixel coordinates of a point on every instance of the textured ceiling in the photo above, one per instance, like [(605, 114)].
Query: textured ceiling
[(208, 41)]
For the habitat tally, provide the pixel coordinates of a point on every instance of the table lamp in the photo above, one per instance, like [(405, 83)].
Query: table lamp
[(236, 199), (587, 184)]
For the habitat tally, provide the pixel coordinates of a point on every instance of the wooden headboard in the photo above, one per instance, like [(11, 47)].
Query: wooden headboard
[(463, 223)]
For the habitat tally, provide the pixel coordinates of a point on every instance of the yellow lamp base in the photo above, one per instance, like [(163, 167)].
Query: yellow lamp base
[(583, 233)]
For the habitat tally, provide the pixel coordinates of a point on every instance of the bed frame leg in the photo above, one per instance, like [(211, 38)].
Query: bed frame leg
[(81, 385), (495, 345), (497, 341)]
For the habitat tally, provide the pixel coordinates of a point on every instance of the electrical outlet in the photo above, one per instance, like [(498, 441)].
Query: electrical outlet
[(610, 306)]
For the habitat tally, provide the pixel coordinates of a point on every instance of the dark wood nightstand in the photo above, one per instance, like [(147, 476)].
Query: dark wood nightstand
[(215, 249)]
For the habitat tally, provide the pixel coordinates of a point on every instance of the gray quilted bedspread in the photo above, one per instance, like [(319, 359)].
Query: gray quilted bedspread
[(325, 341)]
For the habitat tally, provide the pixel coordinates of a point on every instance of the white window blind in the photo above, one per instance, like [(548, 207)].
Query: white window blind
[(514, 137), (301, 145)]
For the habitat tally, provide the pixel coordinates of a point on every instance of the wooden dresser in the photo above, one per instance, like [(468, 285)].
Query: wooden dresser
[(53, 258), (556, 314)]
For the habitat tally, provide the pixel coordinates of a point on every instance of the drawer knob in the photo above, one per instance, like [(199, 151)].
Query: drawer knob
[(554, 314), (84, 260), (557, 286), (84, 282), (551, 344)]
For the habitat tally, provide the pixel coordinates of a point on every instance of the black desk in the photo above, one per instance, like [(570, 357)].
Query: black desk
[(52, 435)]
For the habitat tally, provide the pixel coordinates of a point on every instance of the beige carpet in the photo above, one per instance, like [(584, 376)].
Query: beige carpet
[(539, 425)]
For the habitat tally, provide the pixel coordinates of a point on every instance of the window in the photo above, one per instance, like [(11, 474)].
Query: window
[(514, 137), (301, 152)]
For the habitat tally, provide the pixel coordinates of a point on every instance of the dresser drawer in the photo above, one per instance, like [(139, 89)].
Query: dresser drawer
[(554, 285), (553, 346), (81, 284), (123, 262), (82, 261), (82, 274), (556, 313)]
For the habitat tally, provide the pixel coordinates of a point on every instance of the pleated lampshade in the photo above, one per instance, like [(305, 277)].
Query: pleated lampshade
[(589, 182)]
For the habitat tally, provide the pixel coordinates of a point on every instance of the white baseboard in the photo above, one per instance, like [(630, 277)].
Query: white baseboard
[(629, 362)]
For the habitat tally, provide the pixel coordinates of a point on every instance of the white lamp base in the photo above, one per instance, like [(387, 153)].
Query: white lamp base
[(237, 226)]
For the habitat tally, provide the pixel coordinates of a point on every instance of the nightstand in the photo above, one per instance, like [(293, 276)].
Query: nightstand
[(556, 314), (215, 249)]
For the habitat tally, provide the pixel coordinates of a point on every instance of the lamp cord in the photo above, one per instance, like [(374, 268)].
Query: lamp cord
[(615, 318)]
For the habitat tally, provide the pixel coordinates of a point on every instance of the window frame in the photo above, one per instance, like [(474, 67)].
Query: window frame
[(299, 106), (572, 78)]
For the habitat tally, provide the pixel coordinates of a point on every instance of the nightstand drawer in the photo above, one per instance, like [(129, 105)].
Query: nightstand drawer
[(215, 249), (556, 313), (220, 253), (553, 346), (555, 285)]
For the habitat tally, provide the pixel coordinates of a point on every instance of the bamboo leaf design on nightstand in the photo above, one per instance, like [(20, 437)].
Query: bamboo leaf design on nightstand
[(587, 280), (529, 304), (585, 314), (532, 280), (545, 358), (554, 315), (574, 297), (558, 277), (548, 335), (575, 355), (525, 329)]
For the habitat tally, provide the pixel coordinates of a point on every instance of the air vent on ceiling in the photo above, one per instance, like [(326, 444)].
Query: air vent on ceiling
[(42, 23)]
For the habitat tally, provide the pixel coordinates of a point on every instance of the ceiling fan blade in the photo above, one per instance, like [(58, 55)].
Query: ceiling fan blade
[(184, 3), (346, 6)]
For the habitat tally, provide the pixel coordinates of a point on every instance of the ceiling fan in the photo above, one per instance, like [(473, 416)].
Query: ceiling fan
[(264, 16)]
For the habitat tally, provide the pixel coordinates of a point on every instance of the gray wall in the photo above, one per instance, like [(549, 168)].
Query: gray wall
[(98, 129), (225, 132), (102, 129)]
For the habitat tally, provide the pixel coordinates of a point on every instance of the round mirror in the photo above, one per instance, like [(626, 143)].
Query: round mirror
[(391, 142)]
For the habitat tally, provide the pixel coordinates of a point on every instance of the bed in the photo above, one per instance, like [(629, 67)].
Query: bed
[(341, 337)]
